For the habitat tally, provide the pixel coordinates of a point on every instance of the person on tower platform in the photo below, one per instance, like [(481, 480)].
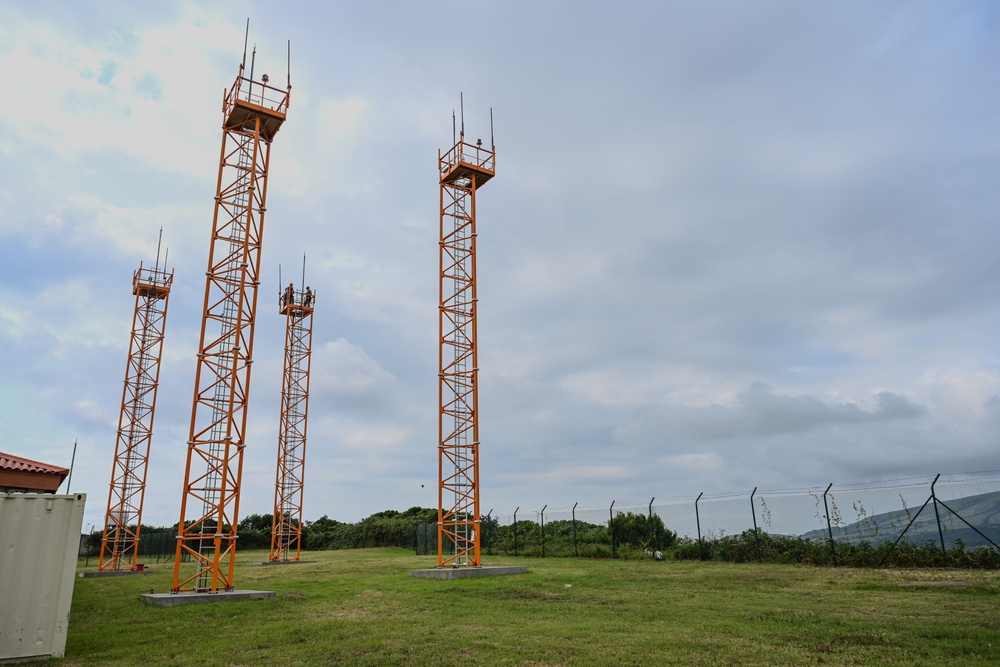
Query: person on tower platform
[(309, 297), (288, 299)]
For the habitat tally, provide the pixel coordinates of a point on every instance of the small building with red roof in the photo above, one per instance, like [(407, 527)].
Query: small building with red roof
[(21, 475)]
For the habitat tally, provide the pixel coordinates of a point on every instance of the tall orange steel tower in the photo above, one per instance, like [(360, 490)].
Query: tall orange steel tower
[(462, 171), (123, 520), (286, 530), (252, 113)]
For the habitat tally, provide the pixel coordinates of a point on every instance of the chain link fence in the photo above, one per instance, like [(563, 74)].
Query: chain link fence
[(155, 545), (950, 519), (955, 516)]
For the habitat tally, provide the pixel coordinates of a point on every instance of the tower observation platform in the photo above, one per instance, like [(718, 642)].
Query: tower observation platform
[(297, 303), (152, 283), (249, 102), (467, 162)]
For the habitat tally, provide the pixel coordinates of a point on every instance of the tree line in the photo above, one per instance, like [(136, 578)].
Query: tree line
[(627, 536), (390, 528)]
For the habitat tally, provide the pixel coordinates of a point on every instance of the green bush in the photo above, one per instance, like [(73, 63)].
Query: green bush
[(638, 530), (592, 550), (390, 528), (748, 547), (629, 552)]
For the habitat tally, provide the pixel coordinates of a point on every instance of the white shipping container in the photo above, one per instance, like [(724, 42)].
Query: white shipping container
[(39, 543)]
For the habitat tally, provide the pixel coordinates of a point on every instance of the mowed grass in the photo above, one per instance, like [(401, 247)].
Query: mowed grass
[(361, 607)]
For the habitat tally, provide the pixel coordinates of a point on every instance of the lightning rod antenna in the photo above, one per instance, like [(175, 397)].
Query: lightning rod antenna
[(246, 38), (303, 284), (493, 144), (461, 103), (72, 462), (281, 283), (253, 58), (158, 243), (288, 63), (453, 127)]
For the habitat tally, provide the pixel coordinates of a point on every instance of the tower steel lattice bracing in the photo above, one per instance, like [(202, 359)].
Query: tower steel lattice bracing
[(123, 521), (462, 171), (252, 113), (286, 530)]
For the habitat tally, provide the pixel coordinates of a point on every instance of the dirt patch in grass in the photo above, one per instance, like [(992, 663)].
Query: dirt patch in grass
[(526, 595), (942, 583)]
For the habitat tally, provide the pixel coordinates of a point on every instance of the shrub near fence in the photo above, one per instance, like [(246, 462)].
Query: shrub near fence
[(382, 529)]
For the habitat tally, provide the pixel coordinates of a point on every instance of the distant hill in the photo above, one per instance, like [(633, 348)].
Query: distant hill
[(982, 511)]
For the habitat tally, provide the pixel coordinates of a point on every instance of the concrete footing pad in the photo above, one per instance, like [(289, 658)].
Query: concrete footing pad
[(175, 599), (450, 573), (113, 573)]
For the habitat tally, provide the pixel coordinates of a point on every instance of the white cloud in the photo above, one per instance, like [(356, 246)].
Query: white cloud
[(340, 367), (707, 462), (759, 413), (342, 120), (75, 97)]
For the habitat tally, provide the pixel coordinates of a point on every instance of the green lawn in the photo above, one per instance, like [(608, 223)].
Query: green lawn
[(361, 607)]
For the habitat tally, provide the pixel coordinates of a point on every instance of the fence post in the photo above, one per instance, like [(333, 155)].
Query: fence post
[(753, 512), (829, 526), (697, 520), (515, 529), (651, 544), (611, 527), (575, 552), (543, 529), (937, 516), (489, 527)]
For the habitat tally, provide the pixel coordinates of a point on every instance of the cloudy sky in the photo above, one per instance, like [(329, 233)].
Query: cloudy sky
[(729, 244)]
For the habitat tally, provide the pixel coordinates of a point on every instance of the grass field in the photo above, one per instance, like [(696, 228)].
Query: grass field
[(361, 607)]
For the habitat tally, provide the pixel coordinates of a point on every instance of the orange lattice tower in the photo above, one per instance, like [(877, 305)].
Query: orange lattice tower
[(462, 171), (286, 531), (123, 520), (252, 113)]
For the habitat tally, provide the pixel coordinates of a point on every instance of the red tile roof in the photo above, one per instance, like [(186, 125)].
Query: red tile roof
[(19, 463)]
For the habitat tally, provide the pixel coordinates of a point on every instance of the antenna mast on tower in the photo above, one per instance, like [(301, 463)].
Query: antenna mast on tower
[(252, 114), (461, 171)]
